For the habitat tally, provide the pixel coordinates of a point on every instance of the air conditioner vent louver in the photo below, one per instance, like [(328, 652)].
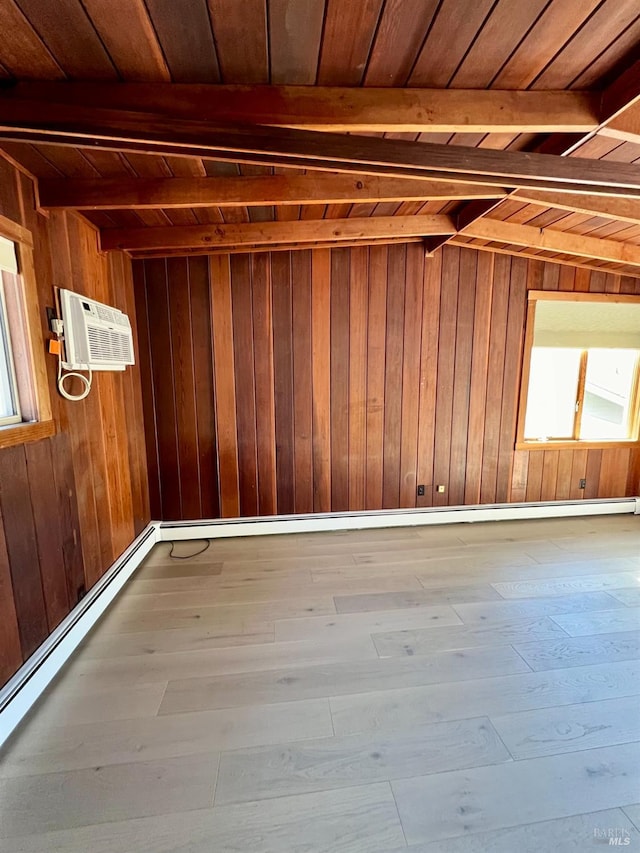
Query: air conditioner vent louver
[(96, 336)]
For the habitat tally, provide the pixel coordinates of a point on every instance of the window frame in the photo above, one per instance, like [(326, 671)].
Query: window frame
[(37, 419), (533, 297)]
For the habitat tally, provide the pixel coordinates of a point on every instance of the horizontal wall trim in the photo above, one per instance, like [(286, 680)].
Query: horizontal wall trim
[(22, 691), (170, 531)]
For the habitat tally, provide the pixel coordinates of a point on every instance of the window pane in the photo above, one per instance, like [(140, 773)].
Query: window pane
[(8, 406), (553, 388), (607, 393)]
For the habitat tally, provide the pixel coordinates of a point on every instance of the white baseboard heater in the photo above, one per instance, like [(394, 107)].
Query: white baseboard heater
[(24, 689)]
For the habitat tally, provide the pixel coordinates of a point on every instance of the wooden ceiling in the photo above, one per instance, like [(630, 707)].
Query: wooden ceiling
[(519, 46)]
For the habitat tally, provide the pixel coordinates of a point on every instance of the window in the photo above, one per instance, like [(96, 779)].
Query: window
[(581, 370), (25, 406), (9, 398)]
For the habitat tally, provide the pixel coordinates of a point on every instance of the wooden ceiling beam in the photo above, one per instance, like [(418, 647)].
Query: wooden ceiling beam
[(79, 126), (623, 209), (362, 110), (548, 240), (267, 233), (314, 188), (243, 248)]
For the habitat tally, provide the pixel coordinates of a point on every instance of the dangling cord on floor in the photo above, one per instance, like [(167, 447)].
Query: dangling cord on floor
[(189, 556)]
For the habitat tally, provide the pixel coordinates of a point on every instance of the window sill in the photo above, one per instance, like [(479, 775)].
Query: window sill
[(575, 445), (23, 433)]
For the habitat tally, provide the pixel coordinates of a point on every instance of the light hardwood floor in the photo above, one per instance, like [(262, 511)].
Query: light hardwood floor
[(459, 689)]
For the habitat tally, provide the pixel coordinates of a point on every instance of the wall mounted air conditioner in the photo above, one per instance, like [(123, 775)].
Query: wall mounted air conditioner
[(96, 336)]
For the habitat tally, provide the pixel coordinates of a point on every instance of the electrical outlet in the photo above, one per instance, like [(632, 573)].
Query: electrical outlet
[(583, 484), (440, 490), (420, 491)]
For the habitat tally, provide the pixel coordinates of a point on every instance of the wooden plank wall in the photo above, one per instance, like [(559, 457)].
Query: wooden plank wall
[(70, 504), (328, 380)]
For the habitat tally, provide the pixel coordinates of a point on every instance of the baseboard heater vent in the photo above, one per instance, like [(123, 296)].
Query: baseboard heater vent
[(30, 681)]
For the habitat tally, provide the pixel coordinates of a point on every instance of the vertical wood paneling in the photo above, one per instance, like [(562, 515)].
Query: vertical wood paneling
[(203, 368), (225, 389), (462, 376), (245, 383), (321, 382), (428, 375), (283, 379), (411, 374), (495, 374), (303, 379), (393, 376), (11, 656), (358, 323), (446, 372), (184, 362), (478, 379), (339, 405), (376, 354), (20, 536), (263, 371), (71, 503), (345, 378)]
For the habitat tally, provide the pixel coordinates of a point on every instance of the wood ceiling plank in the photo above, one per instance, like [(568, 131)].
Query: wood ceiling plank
[(132, 44), (349, 29), (276, 232), (368, 110), (247, 62), (501, 33), (450, 37), (71, 38), (554, 28), (186, 40), (401, 31), (105, 194), (22, 51), (611, 19), (550, 240), (295, 31)]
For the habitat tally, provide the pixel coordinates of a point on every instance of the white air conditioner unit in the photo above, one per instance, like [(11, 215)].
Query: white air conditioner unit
[(96, 336)]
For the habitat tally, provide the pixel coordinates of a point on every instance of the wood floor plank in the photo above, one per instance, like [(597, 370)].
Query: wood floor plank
[(628, 597), (369, 602), (103, 794), (126, 617), (338, 762), (284, 685), (529, 734), (78, 746), (194, 599), (520, 792), (166, 666), (416, 706), (564, 586), (351, 624), (577, 833), (64, 702), (427, 640), (600, 622), (346, 821), (530, 607), (178, 640), (580, 651), (633, 813)]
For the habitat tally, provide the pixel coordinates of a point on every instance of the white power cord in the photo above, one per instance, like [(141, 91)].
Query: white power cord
[(86, 380)]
